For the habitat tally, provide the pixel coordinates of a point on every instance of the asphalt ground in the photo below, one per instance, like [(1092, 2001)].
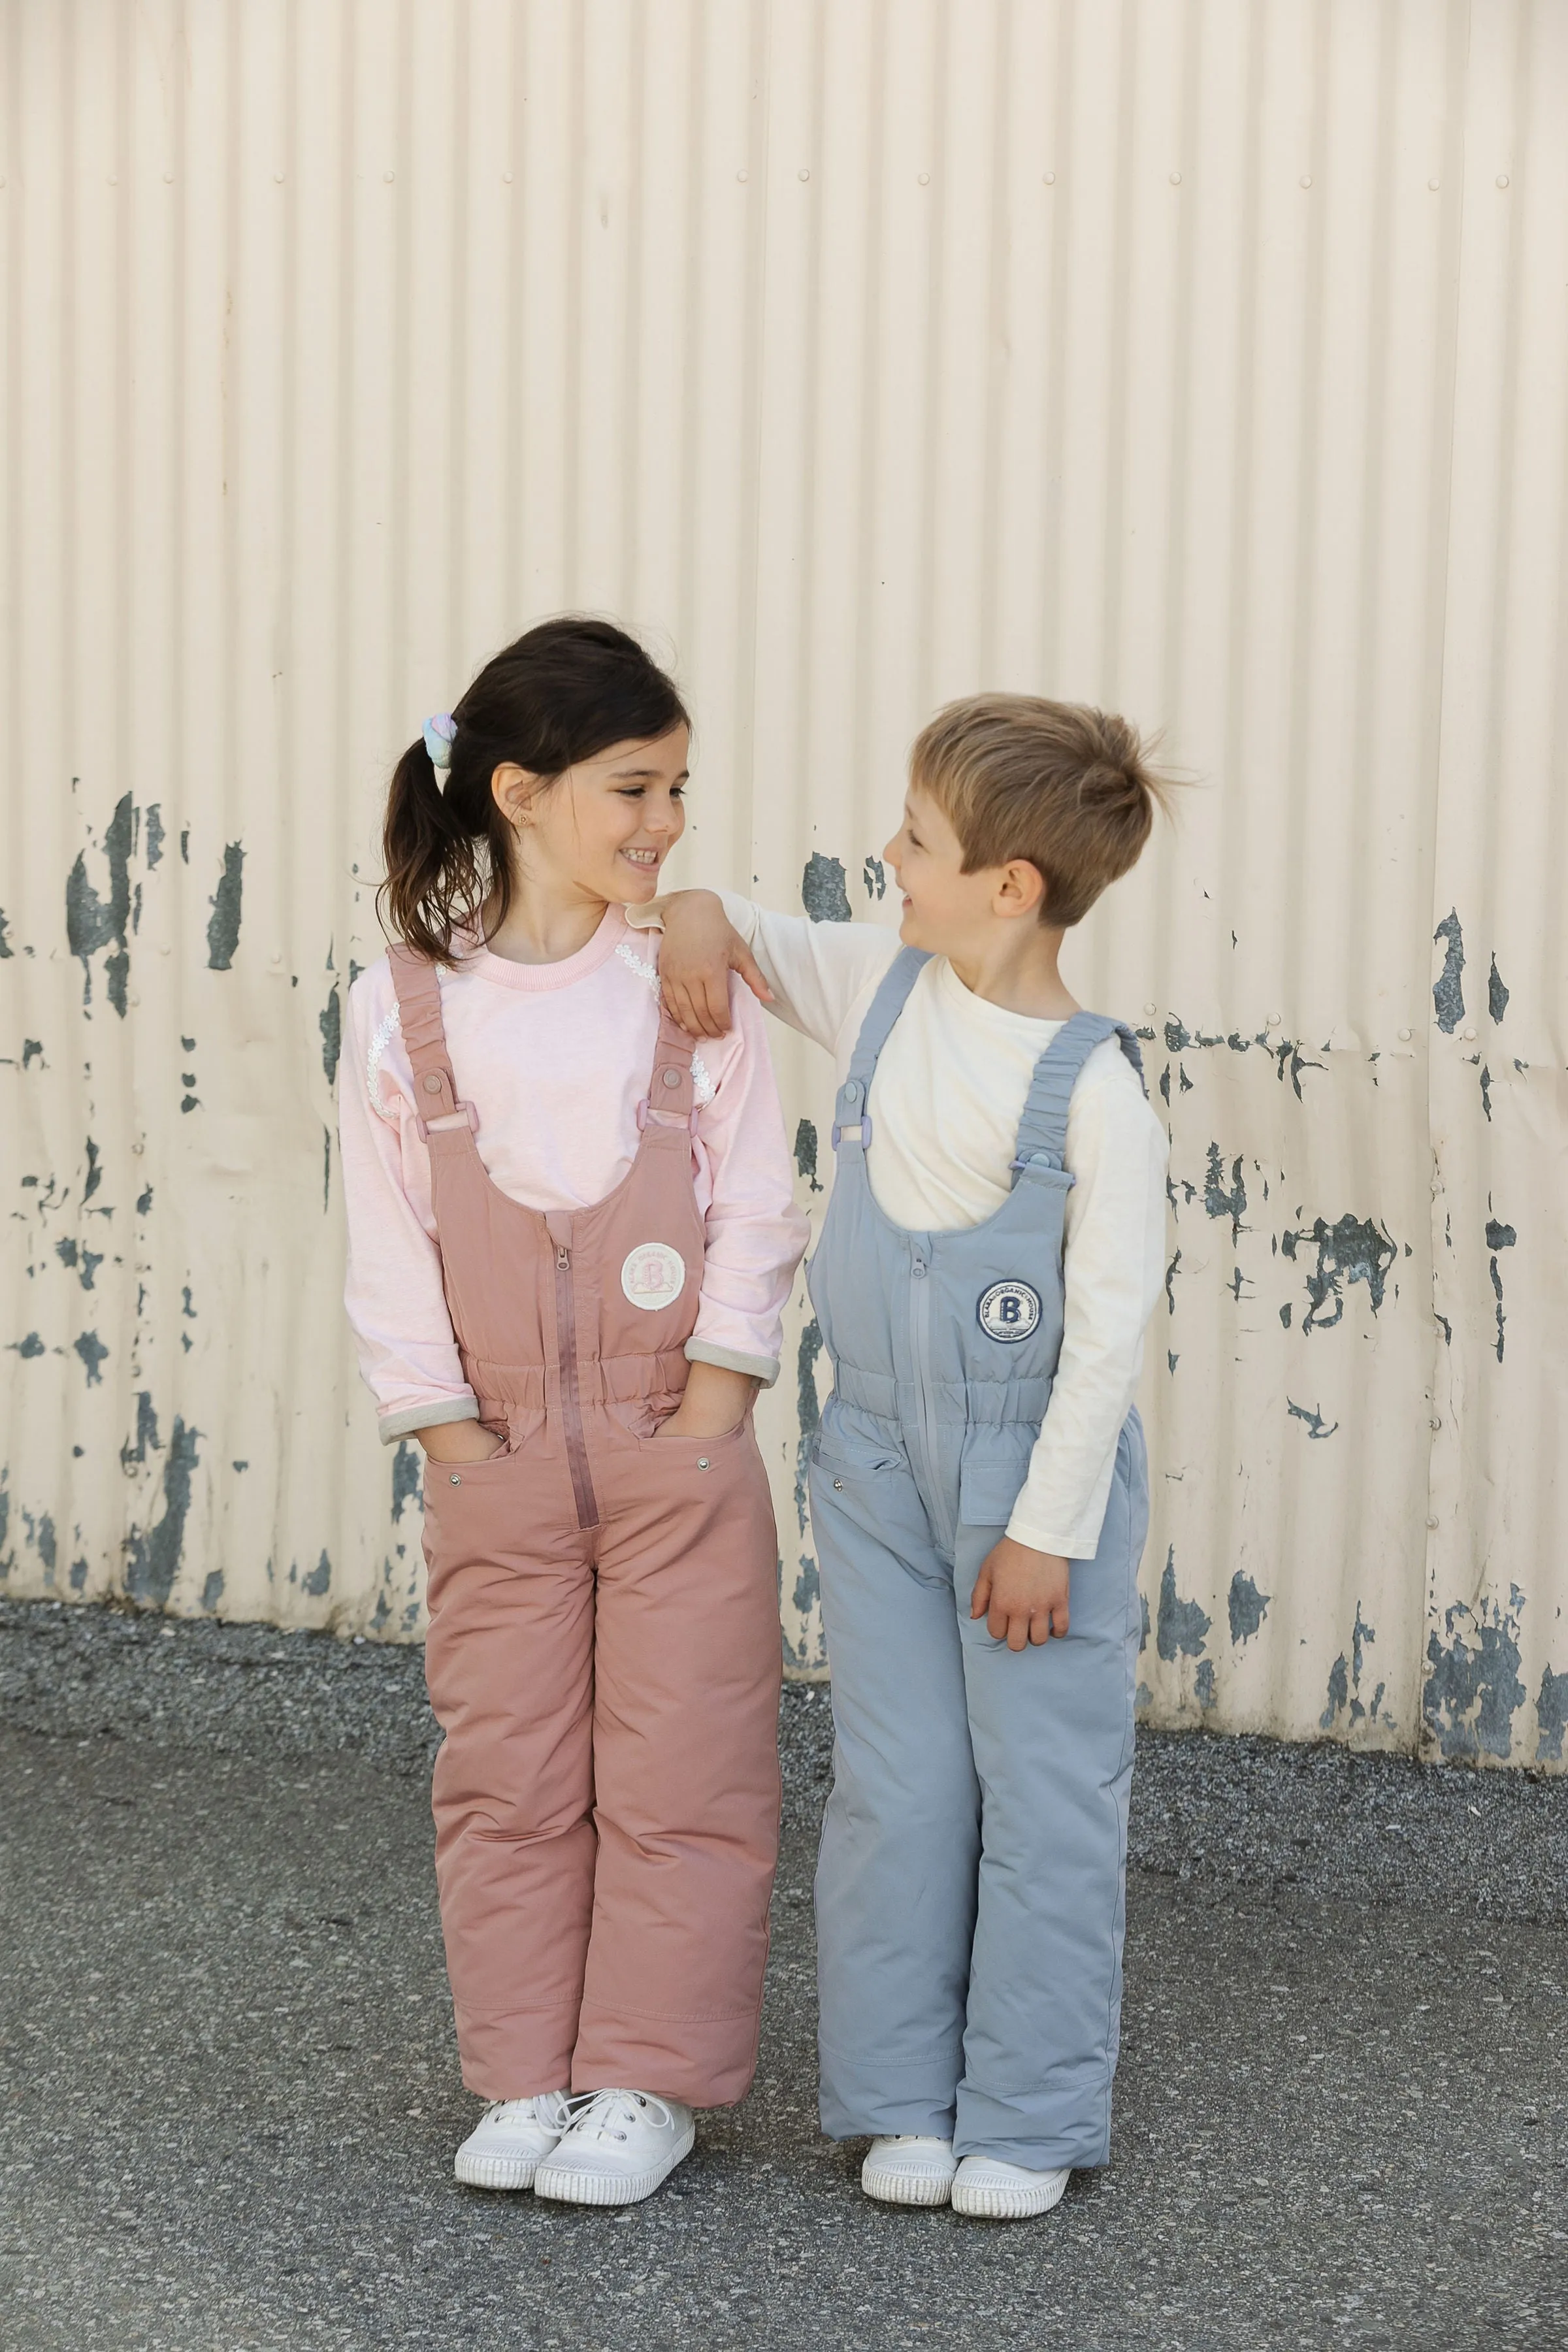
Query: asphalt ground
[(230, 2094)]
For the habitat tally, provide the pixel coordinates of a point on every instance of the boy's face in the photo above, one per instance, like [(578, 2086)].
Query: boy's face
[(947, 911)]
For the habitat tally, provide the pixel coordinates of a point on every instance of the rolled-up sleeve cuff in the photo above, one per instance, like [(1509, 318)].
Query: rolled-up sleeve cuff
[(1078, 1543), (394, 1425), (729, 1359)]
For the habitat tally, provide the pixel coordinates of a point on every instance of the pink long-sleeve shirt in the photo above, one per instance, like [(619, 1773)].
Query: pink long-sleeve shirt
[(555, 1057)]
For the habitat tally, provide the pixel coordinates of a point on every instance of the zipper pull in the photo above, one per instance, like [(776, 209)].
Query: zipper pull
[(562, 1257)]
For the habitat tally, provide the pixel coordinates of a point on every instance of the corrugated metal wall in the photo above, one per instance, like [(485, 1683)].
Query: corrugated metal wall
[(1205, 359)]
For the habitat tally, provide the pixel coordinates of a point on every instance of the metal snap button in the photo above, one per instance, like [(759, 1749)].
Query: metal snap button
[(455, 1480), (702, 1462), (838, 1486), (432, 1084)]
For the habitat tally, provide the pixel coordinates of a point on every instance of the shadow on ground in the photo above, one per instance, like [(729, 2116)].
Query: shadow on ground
[(231, 2094)]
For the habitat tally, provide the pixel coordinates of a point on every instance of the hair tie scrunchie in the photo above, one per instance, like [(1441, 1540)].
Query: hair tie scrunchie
[(439, 733)]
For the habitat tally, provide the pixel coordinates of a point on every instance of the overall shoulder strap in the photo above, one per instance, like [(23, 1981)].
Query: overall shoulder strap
[(884, 1010), (670, 1099), (424, 1036), (1043, 1128), (852, 1124)]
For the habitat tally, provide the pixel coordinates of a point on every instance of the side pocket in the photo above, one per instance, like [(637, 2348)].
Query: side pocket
[(848, 1439), (992, 1474)]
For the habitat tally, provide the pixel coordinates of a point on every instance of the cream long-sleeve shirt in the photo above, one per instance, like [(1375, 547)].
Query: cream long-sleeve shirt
[(555, 1057), (946, 1103)]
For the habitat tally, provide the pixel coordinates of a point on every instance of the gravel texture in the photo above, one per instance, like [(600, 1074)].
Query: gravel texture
[(231, 2095)]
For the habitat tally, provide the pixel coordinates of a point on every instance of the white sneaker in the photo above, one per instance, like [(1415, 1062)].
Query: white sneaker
[(504, 2149), (908, 2170), (620, 2144), (992, 2192)]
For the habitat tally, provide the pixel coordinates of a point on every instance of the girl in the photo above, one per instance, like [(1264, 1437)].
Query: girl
[(571, 1241)]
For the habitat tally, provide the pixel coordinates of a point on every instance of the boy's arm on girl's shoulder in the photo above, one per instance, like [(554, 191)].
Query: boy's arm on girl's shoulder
[(1113, 1267), (821, 975)]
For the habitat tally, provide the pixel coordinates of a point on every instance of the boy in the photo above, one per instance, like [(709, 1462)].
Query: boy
[(992, 1249)]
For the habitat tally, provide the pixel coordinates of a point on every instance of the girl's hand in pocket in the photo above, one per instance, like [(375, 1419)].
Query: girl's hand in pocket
[(459, 1441), (715, 1404)]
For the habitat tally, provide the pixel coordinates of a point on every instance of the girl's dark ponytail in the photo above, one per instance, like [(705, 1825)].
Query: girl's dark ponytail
[(438, 867), (566, 692)]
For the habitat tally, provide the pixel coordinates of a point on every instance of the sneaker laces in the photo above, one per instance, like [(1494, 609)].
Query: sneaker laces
[(599, 2114), (530, 2110)]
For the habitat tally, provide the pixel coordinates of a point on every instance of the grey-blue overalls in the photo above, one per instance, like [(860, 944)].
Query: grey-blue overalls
[(971, 1889)]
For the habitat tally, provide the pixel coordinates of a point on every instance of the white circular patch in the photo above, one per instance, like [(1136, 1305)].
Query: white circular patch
[(653, 1275), (1009, 1310)]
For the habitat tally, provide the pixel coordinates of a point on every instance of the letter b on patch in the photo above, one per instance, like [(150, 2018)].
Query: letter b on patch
[(654, 1276), (1009, 1310)]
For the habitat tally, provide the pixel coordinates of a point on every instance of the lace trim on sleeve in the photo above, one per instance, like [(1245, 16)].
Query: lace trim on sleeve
[(702, 1085), (384, 1028)]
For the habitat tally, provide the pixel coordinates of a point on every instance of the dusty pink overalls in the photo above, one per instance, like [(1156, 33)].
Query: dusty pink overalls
[(603, 1653)]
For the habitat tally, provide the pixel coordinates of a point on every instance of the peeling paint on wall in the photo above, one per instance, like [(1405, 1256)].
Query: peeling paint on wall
[(1247, 1608), (93, 924), (805, 1154), (1181, 1627), (223, 927), (1448, 992), (1473, 1688), (824, 892), (152, 1559), (1353, 1249)]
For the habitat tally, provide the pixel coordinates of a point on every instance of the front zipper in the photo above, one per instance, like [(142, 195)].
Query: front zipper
[(571, 1393), (919, 1350)]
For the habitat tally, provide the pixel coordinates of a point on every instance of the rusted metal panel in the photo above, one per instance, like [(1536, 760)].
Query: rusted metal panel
[(1206, 361)]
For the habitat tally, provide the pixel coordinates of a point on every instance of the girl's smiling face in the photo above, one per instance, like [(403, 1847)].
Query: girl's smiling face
[(603, 829)]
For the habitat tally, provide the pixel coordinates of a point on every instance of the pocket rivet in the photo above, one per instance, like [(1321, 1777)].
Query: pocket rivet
[(702, 1462), (455, 1480), (838, 1486)]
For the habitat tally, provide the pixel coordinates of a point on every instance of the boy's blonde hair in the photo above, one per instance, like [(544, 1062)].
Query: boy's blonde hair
[(1063, 786)]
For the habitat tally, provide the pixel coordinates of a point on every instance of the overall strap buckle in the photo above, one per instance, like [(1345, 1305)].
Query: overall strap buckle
[(859, 1133), (465, 1115)]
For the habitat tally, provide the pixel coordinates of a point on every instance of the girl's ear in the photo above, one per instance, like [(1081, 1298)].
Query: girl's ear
[(513, 789)]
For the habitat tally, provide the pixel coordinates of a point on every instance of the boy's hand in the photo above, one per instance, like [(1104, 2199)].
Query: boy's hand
[(1021, 1593), (702, 949)]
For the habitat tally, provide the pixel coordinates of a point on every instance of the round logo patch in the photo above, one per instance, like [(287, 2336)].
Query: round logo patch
[(654, 1276), (1009, 1310)]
